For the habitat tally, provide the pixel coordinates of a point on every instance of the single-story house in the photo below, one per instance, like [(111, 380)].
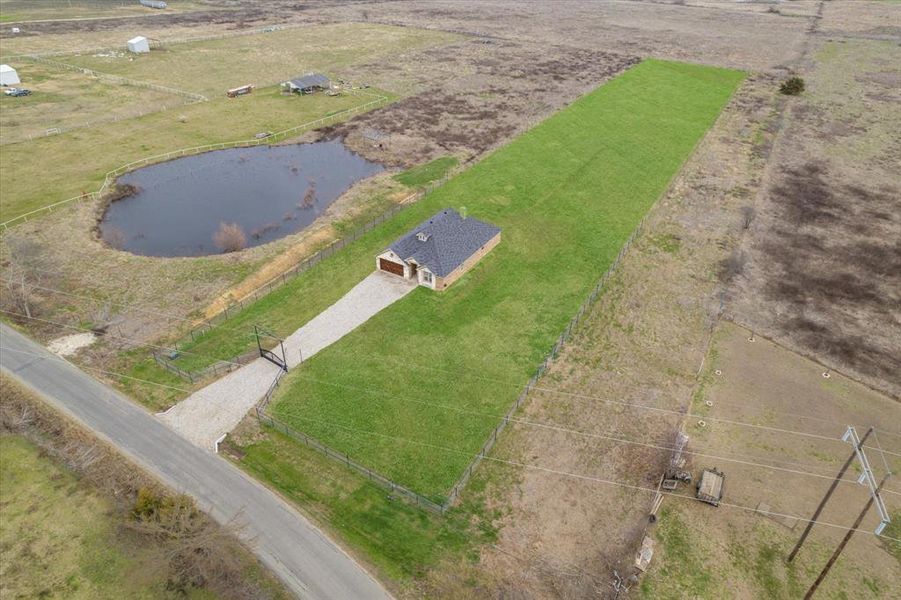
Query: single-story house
[(8, 76), (309, 83), (138, 45), (439, 250)]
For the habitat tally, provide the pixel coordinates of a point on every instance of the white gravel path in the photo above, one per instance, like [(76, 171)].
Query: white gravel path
[(71, 344), (209, 413)]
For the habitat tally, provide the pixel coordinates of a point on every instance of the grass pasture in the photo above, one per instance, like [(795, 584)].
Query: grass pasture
[(59, 536), (69, 99), (49, 169), (425, 174), (213, 66), (12, 11), (439, 369)]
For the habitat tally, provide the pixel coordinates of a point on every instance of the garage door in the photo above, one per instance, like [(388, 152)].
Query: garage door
[(391, 267)]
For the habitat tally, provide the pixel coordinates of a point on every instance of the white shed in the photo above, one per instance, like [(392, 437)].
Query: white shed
[(8, 75), (138, 45)]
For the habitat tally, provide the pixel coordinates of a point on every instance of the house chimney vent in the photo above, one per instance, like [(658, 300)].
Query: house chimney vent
[(422, 236)]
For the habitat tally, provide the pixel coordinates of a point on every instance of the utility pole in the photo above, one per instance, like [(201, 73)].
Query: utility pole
[(844, 542), (825, 499)]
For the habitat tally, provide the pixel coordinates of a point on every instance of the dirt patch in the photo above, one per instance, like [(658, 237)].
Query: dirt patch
[(70, 344), (640, 345), (823, 258), (795, 420), (723, 33), (474, 99)]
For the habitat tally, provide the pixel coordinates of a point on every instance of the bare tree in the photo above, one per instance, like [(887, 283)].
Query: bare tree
[(230, 237), (309, 198), (24, 274)]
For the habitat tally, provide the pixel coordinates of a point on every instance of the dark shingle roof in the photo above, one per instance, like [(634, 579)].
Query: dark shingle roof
[(449, 240), (310, 80)]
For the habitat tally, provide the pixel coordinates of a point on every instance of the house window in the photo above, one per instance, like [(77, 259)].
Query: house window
[(427, 277)]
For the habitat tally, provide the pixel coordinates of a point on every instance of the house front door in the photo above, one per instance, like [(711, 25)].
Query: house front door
[(413, 271)]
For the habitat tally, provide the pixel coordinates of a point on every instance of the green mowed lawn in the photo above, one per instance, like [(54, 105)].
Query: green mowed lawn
[(415, 391)]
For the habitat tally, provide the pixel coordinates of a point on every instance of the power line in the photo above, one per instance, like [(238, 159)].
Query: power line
[(535, 388), (494, 380), (124, 305), (678, 413), (97, 369), (493, 459), (121, 337), (463, 372), (561, 429), (580, 476), (513, 419)]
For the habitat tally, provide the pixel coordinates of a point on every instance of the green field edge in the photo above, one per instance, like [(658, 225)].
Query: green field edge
[(670, 178), (379, 99)]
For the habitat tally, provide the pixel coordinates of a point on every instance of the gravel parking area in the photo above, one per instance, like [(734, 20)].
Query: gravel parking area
[(209, 413)]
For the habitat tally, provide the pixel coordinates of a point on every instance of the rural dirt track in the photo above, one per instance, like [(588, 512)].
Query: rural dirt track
[(210, 412)]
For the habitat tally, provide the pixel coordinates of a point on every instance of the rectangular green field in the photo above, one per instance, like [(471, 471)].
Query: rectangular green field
[(438, 369)]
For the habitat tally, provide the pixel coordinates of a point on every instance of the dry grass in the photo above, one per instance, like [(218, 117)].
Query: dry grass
[(135, 537), (68, 100), (211, 67), (742, 553), (728, 34), (824, 257), (642, 344)]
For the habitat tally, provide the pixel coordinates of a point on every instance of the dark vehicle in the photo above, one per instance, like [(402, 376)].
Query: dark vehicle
[(16, 92)]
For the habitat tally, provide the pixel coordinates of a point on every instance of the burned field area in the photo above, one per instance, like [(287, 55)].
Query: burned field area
[(821, 268), (474, 96)]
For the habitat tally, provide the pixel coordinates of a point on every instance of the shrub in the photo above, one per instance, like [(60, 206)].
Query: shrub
[(230, 237), (309, 198), (792, 86)]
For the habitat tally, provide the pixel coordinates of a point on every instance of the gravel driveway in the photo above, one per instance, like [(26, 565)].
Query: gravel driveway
[(207, 414)]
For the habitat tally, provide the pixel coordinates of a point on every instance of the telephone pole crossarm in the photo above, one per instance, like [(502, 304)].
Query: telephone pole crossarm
[(867, 477)]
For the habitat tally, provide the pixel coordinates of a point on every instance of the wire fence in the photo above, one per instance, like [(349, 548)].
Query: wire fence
[(269, 139), (543, 366), (455, 491), (217, 369), (21, 137), (395, 488), (191, 96), (198, 331)]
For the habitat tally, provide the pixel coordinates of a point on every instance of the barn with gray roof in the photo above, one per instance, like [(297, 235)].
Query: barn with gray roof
[(309, 83), (439, 250)]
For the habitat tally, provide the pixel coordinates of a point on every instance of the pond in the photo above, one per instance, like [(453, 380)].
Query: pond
[(228, 199)]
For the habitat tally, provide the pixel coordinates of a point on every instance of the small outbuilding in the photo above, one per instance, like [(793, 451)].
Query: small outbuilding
[(8, 76), (710, 486), (309, 83), (153, 3), (439, 250), (138, 45)]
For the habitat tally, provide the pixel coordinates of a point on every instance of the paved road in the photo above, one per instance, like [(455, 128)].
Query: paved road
[(299, 553), (207, 414)]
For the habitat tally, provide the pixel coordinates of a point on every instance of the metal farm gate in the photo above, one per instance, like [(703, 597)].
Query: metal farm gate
[(270, 355)]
